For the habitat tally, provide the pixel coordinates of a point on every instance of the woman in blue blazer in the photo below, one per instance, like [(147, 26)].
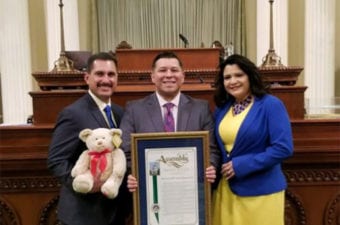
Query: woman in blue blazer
[(254, 135)]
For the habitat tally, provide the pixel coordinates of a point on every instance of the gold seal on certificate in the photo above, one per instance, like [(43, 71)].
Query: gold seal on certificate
[(155, 208)]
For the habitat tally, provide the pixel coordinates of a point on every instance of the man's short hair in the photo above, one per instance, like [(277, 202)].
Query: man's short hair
[(167, 55), (100, 56)]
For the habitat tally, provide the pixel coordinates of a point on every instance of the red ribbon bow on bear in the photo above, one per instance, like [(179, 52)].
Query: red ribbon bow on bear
[(98, 158)]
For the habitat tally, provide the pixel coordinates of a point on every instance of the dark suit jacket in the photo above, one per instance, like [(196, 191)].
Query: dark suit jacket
[(144, 116), (65, 148)]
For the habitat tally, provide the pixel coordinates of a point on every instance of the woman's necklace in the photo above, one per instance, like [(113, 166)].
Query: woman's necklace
[(238, 107)]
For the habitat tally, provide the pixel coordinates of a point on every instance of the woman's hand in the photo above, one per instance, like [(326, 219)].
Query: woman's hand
[(228, 170), (132, 183), (210, 174)]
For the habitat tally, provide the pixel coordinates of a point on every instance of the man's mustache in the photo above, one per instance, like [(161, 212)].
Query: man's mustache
[(104, 85)]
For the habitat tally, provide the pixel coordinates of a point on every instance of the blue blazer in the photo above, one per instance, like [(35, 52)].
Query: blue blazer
[(263, 141), (64, 150)]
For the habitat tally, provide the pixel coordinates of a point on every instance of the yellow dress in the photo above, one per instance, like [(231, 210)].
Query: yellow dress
[(231, 209)]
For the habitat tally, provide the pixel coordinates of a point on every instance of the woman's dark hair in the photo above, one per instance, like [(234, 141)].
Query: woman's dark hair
[(257, 88), (100, 56)]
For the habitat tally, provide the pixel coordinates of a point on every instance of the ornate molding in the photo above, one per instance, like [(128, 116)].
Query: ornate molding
[(281, 75), (49, 212), (60, 80), (191, 76), (312, 175), (332, 211), (28, 184), (124, 45), (7, 214), (75, 79), (294, 211)]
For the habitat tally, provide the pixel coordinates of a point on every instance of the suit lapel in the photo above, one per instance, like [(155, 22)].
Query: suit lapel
[(184, 111), (155, 113), (95, 113), (116, 117)]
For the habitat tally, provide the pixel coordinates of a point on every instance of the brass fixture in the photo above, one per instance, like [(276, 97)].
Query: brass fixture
[(271, 59), (63, 63)]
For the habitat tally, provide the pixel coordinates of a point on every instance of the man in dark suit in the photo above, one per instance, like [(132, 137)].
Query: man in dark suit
[(190, 114), (87, 112)]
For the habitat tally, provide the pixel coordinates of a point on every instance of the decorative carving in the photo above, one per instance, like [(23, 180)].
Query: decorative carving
[(124, 45), (60, 80), (294, 211), (75, 79), (332, 211), (191, 76), (49, 213), (312, 175), (28, 184), (7, 214), (276, 76)]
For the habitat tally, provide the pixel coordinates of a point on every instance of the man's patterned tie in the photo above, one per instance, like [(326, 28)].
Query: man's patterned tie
[(169, 122)]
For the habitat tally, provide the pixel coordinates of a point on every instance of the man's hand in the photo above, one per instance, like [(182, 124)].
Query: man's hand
[(132, 183), (210, 174)]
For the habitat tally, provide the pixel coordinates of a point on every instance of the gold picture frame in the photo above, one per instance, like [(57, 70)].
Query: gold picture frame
[(170, 170)]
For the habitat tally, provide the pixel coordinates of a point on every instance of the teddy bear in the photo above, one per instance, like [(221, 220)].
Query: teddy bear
[(103, 165)]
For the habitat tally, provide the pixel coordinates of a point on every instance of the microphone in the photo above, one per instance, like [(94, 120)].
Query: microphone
[(184, 39)]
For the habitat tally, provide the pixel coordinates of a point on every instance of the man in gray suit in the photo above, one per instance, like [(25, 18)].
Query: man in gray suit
[(145, 115), (65, 148)]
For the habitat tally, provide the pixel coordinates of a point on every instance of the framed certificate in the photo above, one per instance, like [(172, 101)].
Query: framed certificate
[(170, 169)]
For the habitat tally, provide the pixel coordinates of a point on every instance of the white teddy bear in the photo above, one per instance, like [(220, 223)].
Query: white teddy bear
[(103, 165)]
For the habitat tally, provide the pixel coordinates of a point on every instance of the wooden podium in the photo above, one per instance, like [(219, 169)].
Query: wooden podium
[(29, 194), (134, 67)]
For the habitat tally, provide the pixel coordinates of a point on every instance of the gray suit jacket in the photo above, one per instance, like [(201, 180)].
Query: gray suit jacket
[(64, 150), (145, 116)]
